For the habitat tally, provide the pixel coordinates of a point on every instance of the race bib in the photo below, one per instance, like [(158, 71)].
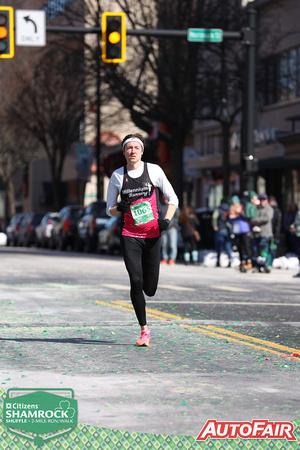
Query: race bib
[(141, 213)]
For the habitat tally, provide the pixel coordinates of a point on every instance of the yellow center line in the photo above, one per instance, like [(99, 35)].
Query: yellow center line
[(158, 313), (213, 334), (126, 307), (213, 331), (253, 339)]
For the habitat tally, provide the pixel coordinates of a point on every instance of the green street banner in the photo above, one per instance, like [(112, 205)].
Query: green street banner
[(47, 419), (31, 413)]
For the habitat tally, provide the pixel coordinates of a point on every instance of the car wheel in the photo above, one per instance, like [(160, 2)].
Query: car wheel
[(27, 242), (61, 243), (89, 244), (77, 245), (51, 243)]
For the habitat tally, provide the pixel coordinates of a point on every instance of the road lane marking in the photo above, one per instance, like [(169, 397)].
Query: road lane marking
[(212, 331), (250, 338), (163, 286), (230, 288), (121, 287), (208, 302), (249, 344), (159, 313), (175, 288)]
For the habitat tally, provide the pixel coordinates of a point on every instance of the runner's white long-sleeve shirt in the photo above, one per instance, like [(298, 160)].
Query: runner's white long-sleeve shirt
[(156, 175)]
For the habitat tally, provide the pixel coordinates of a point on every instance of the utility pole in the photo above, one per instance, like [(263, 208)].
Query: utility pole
[(98, 120), (249, 162), (224, 118)]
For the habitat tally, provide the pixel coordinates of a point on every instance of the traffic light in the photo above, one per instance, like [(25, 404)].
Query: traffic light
[(113, 37), (6, 32)]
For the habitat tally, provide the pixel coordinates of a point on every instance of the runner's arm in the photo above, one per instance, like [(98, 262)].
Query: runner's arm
[(170, 212), (160, 180), (113, 192)]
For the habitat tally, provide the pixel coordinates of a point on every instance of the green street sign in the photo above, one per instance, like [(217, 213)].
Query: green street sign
[(204, 35)]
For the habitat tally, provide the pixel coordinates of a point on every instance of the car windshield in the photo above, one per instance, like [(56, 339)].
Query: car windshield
[(99, 209), (75, 213), (111, 222), (37, 219), (15, 219)]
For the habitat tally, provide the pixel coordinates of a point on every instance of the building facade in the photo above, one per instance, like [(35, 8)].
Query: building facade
[(277, 117)]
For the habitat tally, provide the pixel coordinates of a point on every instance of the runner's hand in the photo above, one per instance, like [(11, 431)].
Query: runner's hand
[(123, 206), (163, 224)]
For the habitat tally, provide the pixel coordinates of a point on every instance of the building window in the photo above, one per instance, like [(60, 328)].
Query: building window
[(56, 7), (281, 77), (211, 145)]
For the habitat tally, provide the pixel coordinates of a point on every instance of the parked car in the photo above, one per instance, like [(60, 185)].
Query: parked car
[(65, 228), (44, 230), (109, 238), (89, 225), (13, 228), (26, 234)]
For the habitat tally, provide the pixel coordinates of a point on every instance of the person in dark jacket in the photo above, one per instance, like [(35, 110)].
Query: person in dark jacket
[(288, 219), (262, 235), (169, 237), (190, 235), (220, 223), (276, 225), (241, 231), (295, 229)]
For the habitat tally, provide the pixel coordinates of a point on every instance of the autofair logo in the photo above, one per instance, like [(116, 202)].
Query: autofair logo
[(256, 429)]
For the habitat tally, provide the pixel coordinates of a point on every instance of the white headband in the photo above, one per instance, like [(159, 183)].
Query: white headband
[(133, 139)]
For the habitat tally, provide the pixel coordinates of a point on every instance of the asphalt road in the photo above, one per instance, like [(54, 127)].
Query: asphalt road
[(223, 346)]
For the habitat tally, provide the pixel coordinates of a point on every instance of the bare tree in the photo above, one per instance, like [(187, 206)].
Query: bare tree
[(50, 107), (16, 151), (170, 80)]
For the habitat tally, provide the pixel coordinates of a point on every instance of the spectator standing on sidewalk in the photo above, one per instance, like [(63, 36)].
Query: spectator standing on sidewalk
[(289, 218), (251, 207), (169, 237), (189, 223), (295, 229), (241, 231), (262, 235), (276, 226), (251, 212), (221, 226)]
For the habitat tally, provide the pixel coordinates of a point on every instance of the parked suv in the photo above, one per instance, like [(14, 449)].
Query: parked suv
[(13, 228), (65, 229), (89, 225), (26, 234), (44, 230), (109, 238)]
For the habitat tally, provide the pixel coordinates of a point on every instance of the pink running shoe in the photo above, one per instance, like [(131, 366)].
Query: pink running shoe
[(144, 339)]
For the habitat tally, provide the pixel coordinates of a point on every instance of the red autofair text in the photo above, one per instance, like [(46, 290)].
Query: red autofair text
[(256, 429)]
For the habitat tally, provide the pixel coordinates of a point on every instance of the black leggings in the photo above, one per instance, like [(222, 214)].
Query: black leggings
[(244, 245), (142, 261)]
